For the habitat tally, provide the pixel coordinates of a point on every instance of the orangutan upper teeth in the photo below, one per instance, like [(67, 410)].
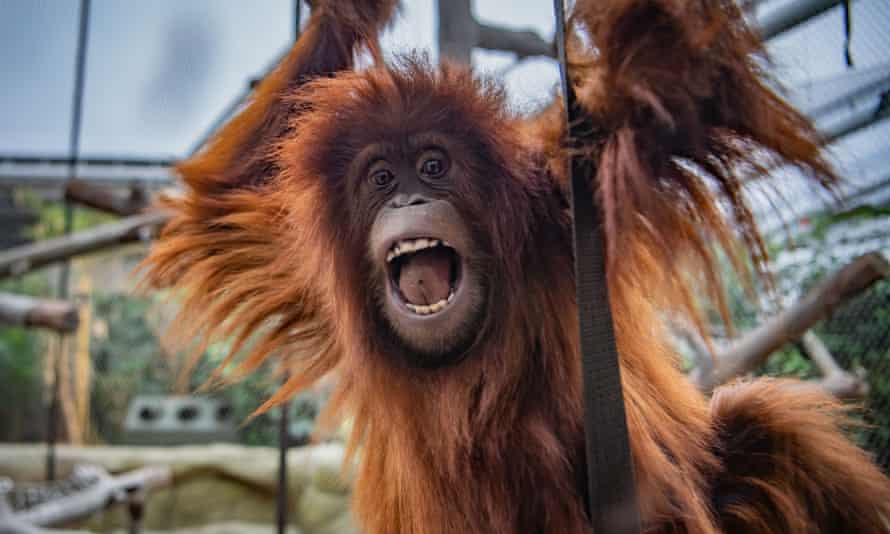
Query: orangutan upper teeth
[(406, 246)]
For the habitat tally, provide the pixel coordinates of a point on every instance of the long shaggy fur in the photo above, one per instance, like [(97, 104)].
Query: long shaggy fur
[(268, 252)]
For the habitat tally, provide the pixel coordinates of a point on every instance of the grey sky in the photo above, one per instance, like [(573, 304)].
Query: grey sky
[(159, 72)]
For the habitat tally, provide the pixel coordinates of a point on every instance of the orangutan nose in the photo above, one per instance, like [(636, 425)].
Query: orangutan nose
[(402, 200)]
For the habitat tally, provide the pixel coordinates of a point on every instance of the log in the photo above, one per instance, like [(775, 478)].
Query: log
[(106, 490), (9, 524), (104, 198), (749, 352), (30, 312), (26, 258)]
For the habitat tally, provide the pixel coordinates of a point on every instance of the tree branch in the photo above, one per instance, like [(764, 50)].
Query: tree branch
[(20, 310), (25, 258), (460, 32), (523, 43), (837, 381), (749, 352)]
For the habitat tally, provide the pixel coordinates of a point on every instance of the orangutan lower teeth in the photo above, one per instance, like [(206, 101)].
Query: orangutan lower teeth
[(427, 310), (432, 308)]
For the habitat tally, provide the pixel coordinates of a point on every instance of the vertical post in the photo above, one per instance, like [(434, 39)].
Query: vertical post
[(284, 424), (298, 15), (283, 445), (458, 31), (65, 273), (136, 508)]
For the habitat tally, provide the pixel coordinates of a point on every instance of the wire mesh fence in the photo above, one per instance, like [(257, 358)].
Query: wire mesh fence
[(836, 66), (858, 335)]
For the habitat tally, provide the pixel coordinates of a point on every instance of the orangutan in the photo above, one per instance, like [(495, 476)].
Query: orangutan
[(401, 226)]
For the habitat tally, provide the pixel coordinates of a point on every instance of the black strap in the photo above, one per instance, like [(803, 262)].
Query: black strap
[(610, 475)]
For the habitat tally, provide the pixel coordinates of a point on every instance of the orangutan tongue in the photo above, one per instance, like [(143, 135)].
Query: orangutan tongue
[(425, 277)]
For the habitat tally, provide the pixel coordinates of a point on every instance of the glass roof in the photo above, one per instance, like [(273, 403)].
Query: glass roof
[(157, 73), (160, 74)]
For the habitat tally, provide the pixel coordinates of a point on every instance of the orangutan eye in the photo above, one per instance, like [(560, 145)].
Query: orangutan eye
[(381, 177), (432, 165)]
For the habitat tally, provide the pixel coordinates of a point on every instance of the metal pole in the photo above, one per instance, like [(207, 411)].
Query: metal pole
[(283, 428), (283, 444), (298, 16), (65, 273)]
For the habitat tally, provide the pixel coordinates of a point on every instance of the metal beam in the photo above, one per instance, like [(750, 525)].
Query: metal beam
[(53, 170), (858, 120), (792, 14), (822, 97)]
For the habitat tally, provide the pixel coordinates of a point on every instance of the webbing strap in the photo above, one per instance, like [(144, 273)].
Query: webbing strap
[(610, 475)]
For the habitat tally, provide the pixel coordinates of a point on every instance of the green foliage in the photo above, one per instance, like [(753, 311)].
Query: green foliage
[(20, 384), (126, 360), (126, 353), (21, 368), (51, 222), (822, 223), (129, 360), (858, 333), (790, 362)]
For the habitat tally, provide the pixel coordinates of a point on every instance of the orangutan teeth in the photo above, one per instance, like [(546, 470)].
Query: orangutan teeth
[(432, 308), (407, 246)]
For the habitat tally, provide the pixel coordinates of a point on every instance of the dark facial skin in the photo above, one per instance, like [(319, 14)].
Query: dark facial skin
[(430, 293)]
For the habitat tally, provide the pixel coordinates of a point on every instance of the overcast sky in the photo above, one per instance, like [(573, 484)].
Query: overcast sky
[(160, 72)]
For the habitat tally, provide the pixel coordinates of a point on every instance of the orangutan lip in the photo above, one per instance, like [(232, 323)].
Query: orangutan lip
[(402, 251)]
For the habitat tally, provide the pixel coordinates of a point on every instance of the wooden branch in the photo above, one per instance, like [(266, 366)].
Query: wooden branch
[(836, 380), (106, 490), (105, 199), (460, 32), (21, 310), (523, 43), (819, 354), (749, 352), (25, 258)]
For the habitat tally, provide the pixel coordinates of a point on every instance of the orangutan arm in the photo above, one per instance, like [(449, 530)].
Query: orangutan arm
[(223, 243), (224, 180), (679, 108), (238, 154)]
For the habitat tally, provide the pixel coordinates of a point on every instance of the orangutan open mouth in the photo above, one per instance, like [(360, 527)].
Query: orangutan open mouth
[(431, 292), (425, 273)]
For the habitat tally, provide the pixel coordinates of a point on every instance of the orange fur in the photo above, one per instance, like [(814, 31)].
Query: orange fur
[(268, 252)]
